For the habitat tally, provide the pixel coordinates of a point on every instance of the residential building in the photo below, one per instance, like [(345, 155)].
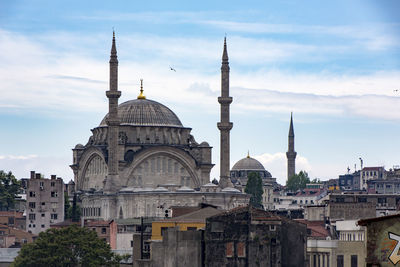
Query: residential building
[(371, 173), (246, 236), (14, 237), (383, 237), (15, 219), (45, 202), (351, 245)]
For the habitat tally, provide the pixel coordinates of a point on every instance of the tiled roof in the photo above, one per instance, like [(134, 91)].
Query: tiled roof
[(196, 216), (317, 228)]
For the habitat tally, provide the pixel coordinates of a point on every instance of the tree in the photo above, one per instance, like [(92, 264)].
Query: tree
[(66, 206), (70, 246), (255, 189), (9, 188), (297, 181)]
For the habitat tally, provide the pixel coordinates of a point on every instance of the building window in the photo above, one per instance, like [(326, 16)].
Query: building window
[(42, 225), (43, 214), (131, 243), (52, 184), (103, 230), (272, 228), (32, 193), (43, 203), (32, 205), (32, 216), (340, 261), (54, 194), (229, 249), (354, 261), (54, 216), (241, 250), (192, 228)]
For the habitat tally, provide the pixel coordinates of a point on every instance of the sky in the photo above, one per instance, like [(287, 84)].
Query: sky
[(334, 64)]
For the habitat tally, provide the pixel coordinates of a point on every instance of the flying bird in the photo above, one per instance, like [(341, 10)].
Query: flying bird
[(172, 68), (395, 90)]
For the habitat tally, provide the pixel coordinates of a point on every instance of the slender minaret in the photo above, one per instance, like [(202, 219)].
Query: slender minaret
[(291, 154), (225, 126), (112, 181)]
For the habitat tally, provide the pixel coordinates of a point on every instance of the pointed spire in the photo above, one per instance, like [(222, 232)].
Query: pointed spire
[(248, 154), (291, 132), (225, 53), (113, 57), (141, 95)]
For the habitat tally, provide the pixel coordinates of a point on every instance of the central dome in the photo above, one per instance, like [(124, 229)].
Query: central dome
[(248, 164), (145, 112)]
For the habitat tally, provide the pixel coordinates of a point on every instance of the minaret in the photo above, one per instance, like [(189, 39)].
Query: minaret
[(291, 154), (225, 126), (112, 179)]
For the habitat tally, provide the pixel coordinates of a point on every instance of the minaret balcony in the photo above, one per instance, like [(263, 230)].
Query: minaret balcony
[(113, 94), (224, 125), (225, 100)]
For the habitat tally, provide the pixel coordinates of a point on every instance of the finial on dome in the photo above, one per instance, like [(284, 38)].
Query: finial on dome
[(248, 154), (141, 95)]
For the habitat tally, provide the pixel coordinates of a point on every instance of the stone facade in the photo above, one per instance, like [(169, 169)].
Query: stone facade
[(383, 237), (45, 202), (291, 154), (250, 237), (141, 160)]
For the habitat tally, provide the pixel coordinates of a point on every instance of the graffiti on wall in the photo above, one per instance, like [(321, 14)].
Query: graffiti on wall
[(394, 256)]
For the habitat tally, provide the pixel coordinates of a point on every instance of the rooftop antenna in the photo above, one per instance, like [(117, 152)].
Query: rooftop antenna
[(361, 162)]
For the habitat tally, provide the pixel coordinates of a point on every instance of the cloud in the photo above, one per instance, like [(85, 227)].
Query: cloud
[(65, 81), (19, 157), (21, 165)]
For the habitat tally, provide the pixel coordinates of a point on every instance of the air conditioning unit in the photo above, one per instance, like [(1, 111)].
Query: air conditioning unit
[(31, 221), (41, 187)]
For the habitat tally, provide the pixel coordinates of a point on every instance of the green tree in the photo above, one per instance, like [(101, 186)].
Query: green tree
[(66, 206), (298, 181), (255, 189), (68, 247), (9, 188)]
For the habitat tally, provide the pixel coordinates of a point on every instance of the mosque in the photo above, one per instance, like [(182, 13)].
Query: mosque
[(141, 160)]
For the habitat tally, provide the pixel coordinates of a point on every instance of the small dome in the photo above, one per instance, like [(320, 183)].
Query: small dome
[(145, 112), (248, 164)]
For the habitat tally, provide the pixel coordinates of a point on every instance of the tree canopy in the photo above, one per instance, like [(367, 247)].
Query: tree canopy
[(298, 181), (255, 189), (67, 247), (9, 188)]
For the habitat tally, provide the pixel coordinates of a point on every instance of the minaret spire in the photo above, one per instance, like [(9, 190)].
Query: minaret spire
[(112, 180), (225, 125), (291, 154)]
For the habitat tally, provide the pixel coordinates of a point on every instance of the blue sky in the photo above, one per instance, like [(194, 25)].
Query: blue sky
[(335, 64)]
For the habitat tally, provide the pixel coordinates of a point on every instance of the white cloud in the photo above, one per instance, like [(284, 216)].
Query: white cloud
[(37, 76), (18, 157), (276, 164)]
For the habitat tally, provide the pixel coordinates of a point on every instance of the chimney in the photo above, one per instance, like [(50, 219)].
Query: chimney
[(32, 174), (37, 175), (53, 177)]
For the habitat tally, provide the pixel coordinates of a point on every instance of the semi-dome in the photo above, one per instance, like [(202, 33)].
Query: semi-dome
[(248, 164), (145, 112)]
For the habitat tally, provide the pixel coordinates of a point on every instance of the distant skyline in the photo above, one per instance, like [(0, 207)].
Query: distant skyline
[(335, 65)]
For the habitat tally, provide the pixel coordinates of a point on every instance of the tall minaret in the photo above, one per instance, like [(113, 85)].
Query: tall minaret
[(112, 179), (225, 126), (291, 154)]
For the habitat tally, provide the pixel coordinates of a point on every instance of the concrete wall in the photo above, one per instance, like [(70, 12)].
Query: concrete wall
[(382, 240), (178, 249)]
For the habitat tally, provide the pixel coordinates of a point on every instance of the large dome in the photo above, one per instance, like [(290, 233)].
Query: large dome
[(248, 164), (145, 112)]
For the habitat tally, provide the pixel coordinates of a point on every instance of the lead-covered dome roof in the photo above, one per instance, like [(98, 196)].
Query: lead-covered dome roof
[(248, 164), (145, 112)]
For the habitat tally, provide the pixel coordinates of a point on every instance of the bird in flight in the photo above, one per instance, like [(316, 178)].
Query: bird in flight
[(171, 68), (395, 90)]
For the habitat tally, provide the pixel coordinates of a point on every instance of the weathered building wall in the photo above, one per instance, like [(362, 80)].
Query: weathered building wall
[(178, 249), (383, 241), (349, 249), (264, 239), (351, 211)]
